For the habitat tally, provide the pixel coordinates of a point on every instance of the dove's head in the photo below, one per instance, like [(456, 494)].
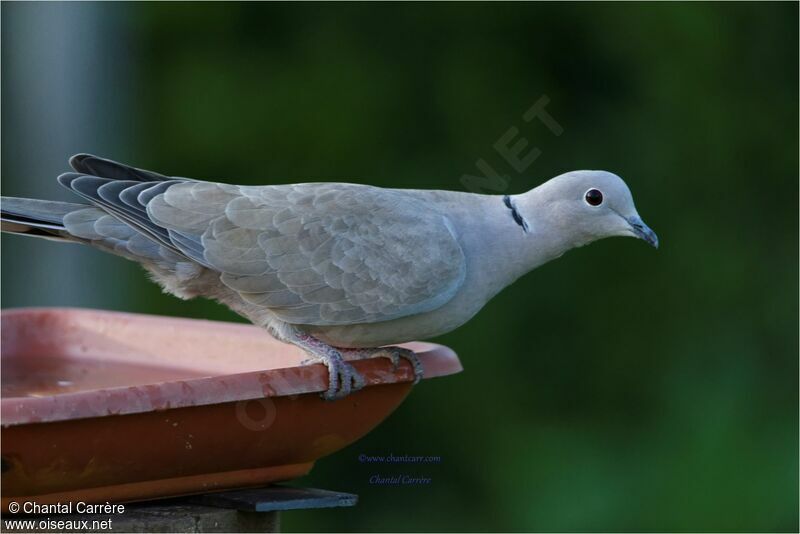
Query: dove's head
[(591, 205)]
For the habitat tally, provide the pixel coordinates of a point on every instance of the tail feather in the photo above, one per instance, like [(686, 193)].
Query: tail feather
[(45, 218), (40, 218), (87, 224), (112, 170), (115, 220)]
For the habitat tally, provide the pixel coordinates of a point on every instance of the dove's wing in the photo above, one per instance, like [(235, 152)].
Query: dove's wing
[(319, 254)]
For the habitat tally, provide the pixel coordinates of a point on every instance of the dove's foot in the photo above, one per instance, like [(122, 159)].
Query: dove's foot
[(393, 353), (342, 378)]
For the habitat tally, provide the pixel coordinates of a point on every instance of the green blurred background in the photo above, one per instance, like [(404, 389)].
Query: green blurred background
[(617, 388)]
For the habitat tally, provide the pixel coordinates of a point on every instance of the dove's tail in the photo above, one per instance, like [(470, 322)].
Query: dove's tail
[(38, 218), (69, 222)]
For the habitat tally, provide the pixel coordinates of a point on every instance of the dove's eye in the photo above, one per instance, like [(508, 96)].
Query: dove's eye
[(593, 197)]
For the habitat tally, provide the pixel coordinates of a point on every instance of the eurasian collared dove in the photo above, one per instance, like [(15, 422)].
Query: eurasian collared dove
[(337, 269)]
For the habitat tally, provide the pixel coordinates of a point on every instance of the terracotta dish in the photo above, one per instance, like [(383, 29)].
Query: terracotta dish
[(100, 406)]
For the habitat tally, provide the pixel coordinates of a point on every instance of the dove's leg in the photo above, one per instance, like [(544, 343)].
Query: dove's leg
[(393, 353), (342, 378)]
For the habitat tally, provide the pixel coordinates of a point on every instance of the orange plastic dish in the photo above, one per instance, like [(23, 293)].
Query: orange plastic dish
[(100, 406)]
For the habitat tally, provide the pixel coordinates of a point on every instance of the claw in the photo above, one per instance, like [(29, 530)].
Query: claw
[(343, 379), (393, 357), (394, 354), (413, 359)]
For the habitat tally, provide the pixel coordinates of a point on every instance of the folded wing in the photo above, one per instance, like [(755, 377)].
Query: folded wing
[(319, 254)]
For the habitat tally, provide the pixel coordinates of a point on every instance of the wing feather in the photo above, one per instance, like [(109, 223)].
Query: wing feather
[(321, 254), (318, 254)]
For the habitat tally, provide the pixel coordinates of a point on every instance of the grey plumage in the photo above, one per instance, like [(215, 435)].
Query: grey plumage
[(323, 264), (319, 254)]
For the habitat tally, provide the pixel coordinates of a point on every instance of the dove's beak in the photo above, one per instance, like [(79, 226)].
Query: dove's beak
[(642, 231)]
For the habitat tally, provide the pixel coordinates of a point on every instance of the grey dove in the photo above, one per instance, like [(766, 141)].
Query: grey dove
[(340, 270)]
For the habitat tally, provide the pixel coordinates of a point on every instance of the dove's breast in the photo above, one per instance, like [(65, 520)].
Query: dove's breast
[(413, 327)]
